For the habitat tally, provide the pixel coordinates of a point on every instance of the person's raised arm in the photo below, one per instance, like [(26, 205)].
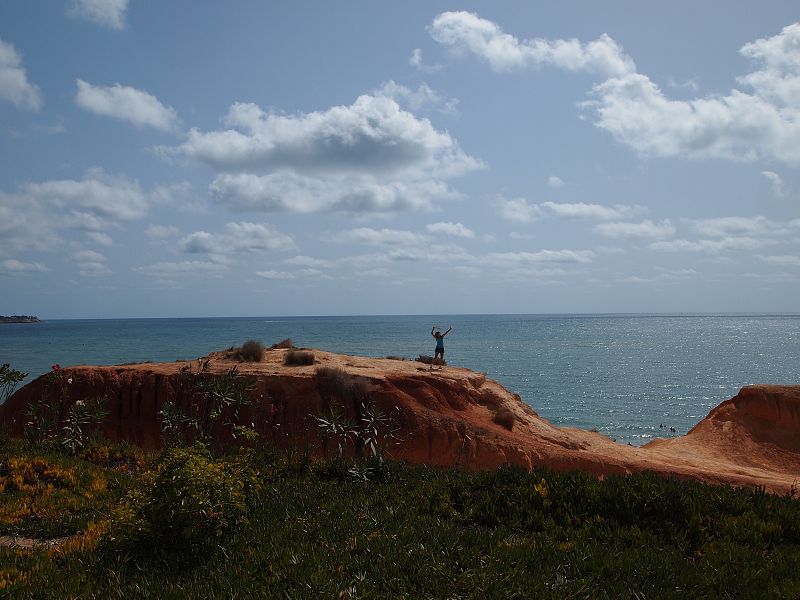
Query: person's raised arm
[(448, 331), (432, 328)]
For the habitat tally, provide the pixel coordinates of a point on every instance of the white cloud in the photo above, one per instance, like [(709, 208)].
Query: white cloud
[(308, 273), (542, 256), (377, 237), (418, 63), (236, 238), (420, 99), (109, 13), (776, 181), (290, 192), (93, 203), (14, 84), (186, 268), (370, 156), (448, 228), (581, 210), (710, 246), (126, 103), (91, 263), (787, 260), (518, 210), (309, 262), (161, 232), (555, 182), (644, 230), (98, 237), (467, 32), (763, 125), (13, 266), (735, 226)]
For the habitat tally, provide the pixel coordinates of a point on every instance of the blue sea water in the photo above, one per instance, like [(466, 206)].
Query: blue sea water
[(624, 375)]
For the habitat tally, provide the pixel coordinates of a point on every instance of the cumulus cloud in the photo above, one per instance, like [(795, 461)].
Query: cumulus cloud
[(377, 237), (776, 181), (161, 232), (519, 210), (542, 256), (14, 84), (286, 191), (734, 226), (308, 273), (93, 203), (646, 229), (448, 228), (12, 266), (784, 260), (100, 238), (370, 156), (555, 182), (418, 63), (237, 238), (421, 99), (182, 269), (762, 123), (91, 263), (108, 13), (467, 32), (127, 104), (710, 246)]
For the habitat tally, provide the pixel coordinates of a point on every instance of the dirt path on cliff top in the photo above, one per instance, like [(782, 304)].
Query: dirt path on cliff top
[(741, 442)]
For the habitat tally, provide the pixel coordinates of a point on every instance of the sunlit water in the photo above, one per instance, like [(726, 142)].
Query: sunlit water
[(625, 375)]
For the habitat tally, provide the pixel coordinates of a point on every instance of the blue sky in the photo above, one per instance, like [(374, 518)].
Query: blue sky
[(312, 158)]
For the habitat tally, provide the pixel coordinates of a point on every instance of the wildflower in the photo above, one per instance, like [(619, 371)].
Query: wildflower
[(56, 367), (69, 380)]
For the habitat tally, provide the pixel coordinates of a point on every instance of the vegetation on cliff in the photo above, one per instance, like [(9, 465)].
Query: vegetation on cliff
[(80, 517), (19, 319), (256, 524)]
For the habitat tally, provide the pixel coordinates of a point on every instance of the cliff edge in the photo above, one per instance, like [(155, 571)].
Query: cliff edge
[(448, 417)]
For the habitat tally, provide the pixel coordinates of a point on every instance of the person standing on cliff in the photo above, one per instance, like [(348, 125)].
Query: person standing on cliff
[(439, 352)]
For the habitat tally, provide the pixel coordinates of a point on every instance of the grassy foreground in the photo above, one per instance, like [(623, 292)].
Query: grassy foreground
[(252, 524)]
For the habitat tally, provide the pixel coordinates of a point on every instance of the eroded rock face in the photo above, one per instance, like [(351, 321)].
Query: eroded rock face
[(447, 417)]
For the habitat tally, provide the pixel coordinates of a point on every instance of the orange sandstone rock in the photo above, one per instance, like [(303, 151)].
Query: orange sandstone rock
[(446, 418)]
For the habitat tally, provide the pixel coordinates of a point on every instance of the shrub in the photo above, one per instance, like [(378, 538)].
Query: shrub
[(504, 417), (283, 344), (251, 351), (298, 357), (191, 502), (9, 380)]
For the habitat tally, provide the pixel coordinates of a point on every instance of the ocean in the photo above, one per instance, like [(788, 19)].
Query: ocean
[(623, 375)]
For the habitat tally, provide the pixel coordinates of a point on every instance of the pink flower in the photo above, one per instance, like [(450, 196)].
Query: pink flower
[(56, 367)]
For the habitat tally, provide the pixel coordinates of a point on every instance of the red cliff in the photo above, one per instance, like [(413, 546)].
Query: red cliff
[(447, 417)]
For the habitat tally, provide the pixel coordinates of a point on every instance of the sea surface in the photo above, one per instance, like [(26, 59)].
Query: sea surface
[(624, 375)]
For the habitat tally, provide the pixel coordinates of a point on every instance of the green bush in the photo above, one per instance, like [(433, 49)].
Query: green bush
[(190, 503)]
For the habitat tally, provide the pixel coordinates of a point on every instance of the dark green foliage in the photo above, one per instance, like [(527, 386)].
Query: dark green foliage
[(191, 503), (295, 357), (9, 380), (413, 532)]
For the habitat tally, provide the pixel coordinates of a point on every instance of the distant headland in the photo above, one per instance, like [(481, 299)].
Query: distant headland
[(20, 319)]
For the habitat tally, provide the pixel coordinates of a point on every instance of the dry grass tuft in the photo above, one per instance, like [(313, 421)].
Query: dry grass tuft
[(283, 344), (295, 357), (430, 360), (504, 417), (251, 351)]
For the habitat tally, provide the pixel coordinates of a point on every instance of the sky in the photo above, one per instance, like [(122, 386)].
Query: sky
[(249, 158)]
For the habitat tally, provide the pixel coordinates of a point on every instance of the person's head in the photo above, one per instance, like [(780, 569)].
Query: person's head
[(437, 334)]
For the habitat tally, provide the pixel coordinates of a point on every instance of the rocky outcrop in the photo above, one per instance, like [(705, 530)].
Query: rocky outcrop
[(449, 416)]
